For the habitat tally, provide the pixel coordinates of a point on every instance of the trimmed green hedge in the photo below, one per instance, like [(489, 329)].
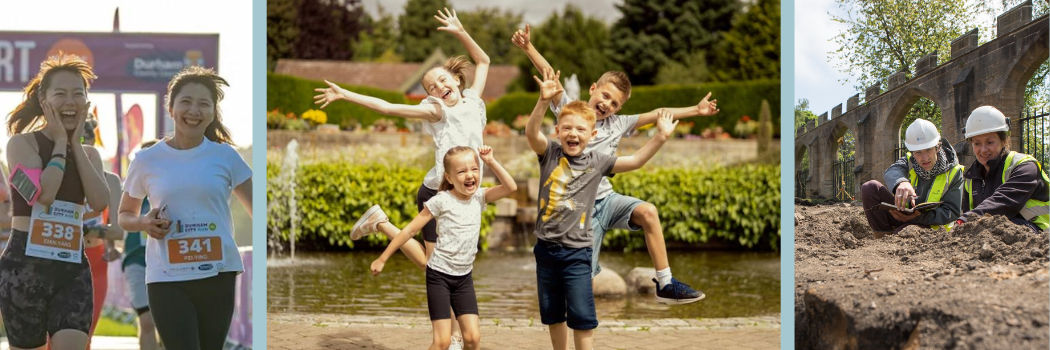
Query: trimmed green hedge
[(296, 95), (739, 204), (332, 196), (735, 99)]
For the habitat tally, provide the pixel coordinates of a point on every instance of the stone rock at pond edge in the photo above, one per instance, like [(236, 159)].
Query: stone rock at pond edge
[(608, 284), (640, 280)]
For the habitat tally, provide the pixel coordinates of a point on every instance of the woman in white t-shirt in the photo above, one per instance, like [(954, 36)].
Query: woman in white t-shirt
[(191, 259), (457, 207)]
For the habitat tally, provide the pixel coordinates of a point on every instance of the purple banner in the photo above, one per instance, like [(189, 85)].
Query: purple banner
[(122, 62)]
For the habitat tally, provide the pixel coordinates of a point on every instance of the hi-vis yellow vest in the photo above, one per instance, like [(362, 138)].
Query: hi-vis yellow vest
[(1037, 212), (940, 185)]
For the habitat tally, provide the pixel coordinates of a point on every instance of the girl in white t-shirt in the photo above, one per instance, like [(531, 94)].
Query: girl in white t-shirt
[(454, 116), (457, 207), (191, 259)]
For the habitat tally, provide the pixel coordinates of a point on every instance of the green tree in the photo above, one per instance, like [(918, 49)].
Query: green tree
[(312, 29), (802, 113), (328, 28), (418, 31), (379, 42), (652, 32), (492, 30), (573, 43), (751, 49), (692, 71), (281, 31)]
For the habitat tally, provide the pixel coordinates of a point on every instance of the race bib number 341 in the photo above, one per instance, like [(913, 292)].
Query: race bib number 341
[(194, 250)]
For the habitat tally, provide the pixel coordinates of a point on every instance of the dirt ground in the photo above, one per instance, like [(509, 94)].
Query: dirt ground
[(982, 286)]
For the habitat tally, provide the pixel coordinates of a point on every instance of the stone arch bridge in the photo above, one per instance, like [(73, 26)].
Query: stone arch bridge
[(976, 75)]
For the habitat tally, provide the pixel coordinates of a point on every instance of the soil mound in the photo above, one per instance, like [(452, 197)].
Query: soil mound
[(984, 285)]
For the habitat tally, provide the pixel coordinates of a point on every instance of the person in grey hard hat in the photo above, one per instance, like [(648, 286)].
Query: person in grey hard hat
[(929, 172), (1001, 181)]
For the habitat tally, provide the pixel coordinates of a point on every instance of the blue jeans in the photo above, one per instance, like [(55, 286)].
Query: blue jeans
[(612, 212), (563, 281)]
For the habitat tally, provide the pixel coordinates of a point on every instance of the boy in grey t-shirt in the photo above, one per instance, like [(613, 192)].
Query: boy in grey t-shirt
[(613, 210), (569, 183)]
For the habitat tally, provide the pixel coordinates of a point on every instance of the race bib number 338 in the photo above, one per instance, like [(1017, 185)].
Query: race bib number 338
[(56, 232), (56, 235), (194, 250)]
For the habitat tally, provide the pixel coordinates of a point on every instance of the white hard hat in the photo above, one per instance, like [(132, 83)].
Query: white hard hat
[(921, 134), (986, 119)]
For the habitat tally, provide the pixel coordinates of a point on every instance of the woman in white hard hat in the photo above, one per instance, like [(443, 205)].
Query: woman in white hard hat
[(930, 172), (1003, 182)]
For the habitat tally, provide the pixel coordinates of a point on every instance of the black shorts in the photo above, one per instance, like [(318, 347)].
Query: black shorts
[(430, 230), (445, 291), (39, 297)]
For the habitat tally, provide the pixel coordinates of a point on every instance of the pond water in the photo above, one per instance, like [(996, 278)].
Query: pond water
[(737, 284)]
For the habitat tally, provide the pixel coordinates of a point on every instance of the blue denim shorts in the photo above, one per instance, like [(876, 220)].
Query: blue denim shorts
[(563, 281), (612, 212)]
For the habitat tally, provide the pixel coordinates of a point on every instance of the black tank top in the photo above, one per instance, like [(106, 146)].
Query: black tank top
[(71, 190)]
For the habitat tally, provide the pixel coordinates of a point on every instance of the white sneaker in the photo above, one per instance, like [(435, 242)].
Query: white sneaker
[(368, 223), (457, 344)]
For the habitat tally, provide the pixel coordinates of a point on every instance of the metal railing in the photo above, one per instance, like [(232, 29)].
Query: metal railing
[(800, 183), (845, 180), (1035, 134)]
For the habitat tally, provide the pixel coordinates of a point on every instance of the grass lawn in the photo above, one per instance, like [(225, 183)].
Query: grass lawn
[(109, 327)]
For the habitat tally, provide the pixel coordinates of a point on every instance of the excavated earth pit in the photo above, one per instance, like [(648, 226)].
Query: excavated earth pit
[(982, 286)]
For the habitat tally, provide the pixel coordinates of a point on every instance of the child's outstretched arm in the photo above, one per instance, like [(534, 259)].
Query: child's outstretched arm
[(665, 125), (506, 182), (428, 111), (406, 234), (703, 109), (481, 60), (522, 39), (548, 89)]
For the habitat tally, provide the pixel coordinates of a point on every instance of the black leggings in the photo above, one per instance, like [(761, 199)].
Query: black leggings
[(193, 315), (39, 297)]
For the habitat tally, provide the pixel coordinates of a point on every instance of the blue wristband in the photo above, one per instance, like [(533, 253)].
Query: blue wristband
[(57, 165)]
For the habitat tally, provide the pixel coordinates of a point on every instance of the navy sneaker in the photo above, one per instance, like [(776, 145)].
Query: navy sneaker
[(677, 293)]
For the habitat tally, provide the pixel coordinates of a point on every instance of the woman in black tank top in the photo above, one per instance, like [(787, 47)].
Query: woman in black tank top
[(45, 282)]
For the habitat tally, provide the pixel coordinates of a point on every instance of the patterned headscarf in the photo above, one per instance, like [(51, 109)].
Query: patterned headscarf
[(940, 167)]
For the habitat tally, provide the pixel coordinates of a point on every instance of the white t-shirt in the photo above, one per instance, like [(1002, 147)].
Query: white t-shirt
[(458, 227), (460, 125), (610, 130), (195, 185)]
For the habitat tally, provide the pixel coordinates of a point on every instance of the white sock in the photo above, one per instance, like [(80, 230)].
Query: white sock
[(664, 277)]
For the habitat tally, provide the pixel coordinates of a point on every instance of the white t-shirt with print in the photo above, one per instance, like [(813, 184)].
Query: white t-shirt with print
[(195, 185), (458, 227), (610, 130), (460, 125)]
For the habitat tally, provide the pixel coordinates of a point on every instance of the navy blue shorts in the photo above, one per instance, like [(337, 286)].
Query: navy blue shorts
[(563, 280)]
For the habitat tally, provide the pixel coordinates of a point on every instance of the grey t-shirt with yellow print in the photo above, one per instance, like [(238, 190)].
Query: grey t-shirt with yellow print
[(568, 186)]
